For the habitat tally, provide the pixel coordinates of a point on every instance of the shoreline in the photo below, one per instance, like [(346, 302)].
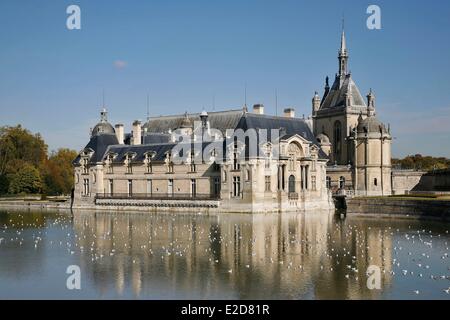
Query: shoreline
[(377, 207), (416, 208)]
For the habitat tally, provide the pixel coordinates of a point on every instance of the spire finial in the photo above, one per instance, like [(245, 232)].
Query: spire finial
[(343, 54)]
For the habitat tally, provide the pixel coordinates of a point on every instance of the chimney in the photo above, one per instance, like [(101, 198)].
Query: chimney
[(120, 133), (258, 109), (289, 113), (137, 133)]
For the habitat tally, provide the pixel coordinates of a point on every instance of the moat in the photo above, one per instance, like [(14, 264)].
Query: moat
[(195, 256)]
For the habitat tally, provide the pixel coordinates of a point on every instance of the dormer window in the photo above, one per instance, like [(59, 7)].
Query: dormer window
[(109, 163), (149, 156), (169, 162), (84, 165), (129, 162)]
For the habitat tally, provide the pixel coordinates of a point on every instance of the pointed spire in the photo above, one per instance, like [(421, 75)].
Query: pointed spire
[(343, 54), (343, 42)]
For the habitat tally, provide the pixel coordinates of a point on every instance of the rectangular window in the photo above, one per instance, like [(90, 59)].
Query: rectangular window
[(85, 166), (130, 188), (193, 188), (236, 186), (86, 187), (267, 183), (149, 187), (111, 187), (236, 165), (193, 166), (170, 187), (216, 186)]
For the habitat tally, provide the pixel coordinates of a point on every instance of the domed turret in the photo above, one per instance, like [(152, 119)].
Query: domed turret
[(103, 127), (186, 123), (371, 125)]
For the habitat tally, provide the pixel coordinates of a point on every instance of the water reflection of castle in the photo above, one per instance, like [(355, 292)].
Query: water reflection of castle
[(238, 257)]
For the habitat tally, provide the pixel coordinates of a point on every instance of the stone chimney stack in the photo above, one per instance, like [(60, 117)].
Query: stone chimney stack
[(289, 113), (137, 133), (258, 109), (120, 133)]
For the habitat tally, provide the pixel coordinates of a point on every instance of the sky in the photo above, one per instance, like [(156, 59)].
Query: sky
[(190, 55)]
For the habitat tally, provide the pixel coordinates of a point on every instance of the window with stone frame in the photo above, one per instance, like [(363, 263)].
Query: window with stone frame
[(216, 189), (267, 183), (236, 187), (85, 165)]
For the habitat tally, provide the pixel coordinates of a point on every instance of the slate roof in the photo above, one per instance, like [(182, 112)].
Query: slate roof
[(336, 97), (140, 150), (99, 143), (221, 120), (158, 142)]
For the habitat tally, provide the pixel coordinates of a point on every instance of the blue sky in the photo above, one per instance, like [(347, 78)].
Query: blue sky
[(187, 52)]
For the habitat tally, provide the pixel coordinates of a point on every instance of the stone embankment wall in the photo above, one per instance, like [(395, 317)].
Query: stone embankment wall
[(415, 208)]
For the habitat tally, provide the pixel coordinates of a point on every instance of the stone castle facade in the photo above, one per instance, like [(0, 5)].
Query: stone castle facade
[(240, 161)]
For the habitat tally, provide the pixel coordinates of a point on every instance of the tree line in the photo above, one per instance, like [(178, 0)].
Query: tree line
[(420, 162), (26, 166)]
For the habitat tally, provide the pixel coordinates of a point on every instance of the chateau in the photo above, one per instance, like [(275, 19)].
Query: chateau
[(240, 160)]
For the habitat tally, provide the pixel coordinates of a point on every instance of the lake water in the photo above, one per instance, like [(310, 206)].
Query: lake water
[(192, 256)]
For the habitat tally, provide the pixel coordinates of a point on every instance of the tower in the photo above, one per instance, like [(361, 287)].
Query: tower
[(339, 109)]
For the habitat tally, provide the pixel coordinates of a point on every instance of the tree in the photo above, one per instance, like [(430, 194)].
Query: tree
[(18, 143), (58, 172), (420, 162), (27, 180)]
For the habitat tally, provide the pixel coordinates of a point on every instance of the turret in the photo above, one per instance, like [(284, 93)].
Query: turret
[(370, 104), (315, 103)]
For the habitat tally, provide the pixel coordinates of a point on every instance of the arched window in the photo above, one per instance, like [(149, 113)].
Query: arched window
[(291, 184), (337, 145), (341, 183), (329, 182)]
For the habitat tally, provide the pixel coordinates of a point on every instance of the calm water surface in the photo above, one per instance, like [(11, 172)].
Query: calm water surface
[(191, 256)]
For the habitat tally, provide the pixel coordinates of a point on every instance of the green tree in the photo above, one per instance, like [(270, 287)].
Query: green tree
[(27, 180), (19, 147)]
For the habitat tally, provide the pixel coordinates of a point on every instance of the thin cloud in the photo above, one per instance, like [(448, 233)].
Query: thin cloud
[(120, 64)]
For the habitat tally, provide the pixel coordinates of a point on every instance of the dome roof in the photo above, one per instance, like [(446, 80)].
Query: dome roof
[(186, 123), (103, 127), (323, 139), (371, 125)]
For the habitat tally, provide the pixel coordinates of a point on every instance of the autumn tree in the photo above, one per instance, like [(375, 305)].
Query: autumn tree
[(58, 172)]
